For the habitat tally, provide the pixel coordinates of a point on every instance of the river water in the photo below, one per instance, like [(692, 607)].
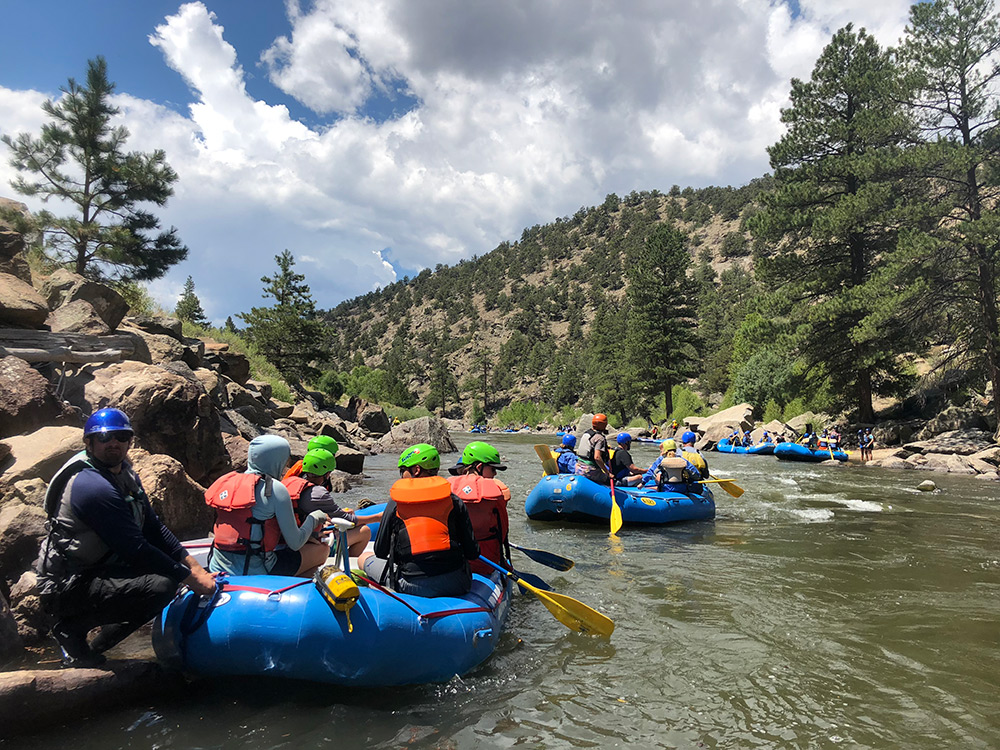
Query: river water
[(829, 606)]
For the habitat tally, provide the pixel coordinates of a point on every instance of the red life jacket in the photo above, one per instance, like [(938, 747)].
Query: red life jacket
[(232, 496), (486, 501), (295, 485)]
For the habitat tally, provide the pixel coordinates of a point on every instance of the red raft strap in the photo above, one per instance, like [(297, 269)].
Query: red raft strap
[(268, 592), (383, 589), (429, 615)]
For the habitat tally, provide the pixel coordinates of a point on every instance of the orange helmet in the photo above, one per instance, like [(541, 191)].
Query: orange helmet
[(599, 421)]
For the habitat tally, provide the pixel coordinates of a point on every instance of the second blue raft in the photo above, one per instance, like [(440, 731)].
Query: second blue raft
[(572, 498), (797, 452)]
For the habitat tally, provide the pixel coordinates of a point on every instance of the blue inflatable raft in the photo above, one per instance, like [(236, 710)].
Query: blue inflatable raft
[(568, 497), (284, 627), (797, 452), (762, 449)]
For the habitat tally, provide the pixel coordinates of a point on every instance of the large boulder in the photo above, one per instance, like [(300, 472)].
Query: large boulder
[(952, 419), (79, 316), (177, 500), (26, 400), (32, 621), (233, 365), (962, 442), (171, 414), (38, 455), (740, 416), (162, 348), (161, 326), (374, 420), (10, 639), (64, 286), (350, 460), (237, 447), (12, 245), (22, 528), (421, 430), (20, 305)]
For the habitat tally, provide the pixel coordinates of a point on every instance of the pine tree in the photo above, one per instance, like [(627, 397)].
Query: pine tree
[(610, 385), (951, 52), (287, 334), (189, 306), (835, 216), (80, 158), (661, 330)]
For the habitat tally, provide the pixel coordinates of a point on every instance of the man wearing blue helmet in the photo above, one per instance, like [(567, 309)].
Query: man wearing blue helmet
[(688, 452), (623, 469), (566, 460), (108, 560)]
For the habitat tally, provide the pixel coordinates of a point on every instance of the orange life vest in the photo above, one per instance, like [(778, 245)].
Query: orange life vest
[(294, 471), (232, 496), (423, 505), (486, 501)]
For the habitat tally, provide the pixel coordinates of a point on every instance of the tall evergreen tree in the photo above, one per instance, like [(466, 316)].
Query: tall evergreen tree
[(610, 385), (80, 158), (189, 306), (287, 334), (661, 329), (952, 53), (836, 213)]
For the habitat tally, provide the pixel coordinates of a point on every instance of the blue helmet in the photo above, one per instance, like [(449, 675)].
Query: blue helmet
[(107, 420), (688, 437), (569, 441), (623, 438)]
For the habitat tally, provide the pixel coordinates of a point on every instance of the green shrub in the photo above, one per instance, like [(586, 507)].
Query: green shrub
[(330, 385), (772, 411), (686, 403), (795, 407), (524, 412)]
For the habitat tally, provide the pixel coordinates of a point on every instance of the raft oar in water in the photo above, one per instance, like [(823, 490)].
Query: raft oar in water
[(549, 465), (727, 484), (574, 615), (616, 512), (548, 559)]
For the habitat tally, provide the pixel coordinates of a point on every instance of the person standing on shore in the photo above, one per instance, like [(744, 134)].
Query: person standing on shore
[(867, 444)]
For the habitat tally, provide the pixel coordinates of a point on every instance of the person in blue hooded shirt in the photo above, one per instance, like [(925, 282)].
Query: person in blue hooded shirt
[(269, 539)]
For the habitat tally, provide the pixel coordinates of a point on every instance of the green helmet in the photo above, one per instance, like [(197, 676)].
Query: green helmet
[(479, 452), (421, 454), (325, 442), (318, 461)]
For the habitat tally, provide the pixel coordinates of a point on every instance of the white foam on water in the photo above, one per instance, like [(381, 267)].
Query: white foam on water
[(865, 505), (813, 515), (786, 481)]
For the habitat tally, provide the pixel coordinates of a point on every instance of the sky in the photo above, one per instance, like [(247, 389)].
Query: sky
[(375, 138)]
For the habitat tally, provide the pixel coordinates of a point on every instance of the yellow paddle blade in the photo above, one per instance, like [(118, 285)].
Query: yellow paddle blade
[(575, 615), (616, 515), (727, 484), (549, 465)]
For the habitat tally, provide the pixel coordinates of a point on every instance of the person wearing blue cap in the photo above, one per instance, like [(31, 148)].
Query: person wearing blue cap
[(623, 469), (566, 460), (107, 560)]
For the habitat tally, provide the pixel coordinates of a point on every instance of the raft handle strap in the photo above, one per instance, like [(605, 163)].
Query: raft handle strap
[(422, 617)]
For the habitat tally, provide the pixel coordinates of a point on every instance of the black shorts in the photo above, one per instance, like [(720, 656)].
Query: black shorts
[(288, 562)]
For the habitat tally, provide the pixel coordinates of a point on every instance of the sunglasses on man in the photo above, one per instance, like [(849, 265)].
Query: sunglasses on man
[(122, 436)]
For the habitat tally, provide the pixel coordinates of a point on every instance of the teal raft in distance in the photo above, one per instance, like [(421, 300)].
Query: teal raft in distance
[(276, 626), (797, 452), (568, 497), (762, 449)]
